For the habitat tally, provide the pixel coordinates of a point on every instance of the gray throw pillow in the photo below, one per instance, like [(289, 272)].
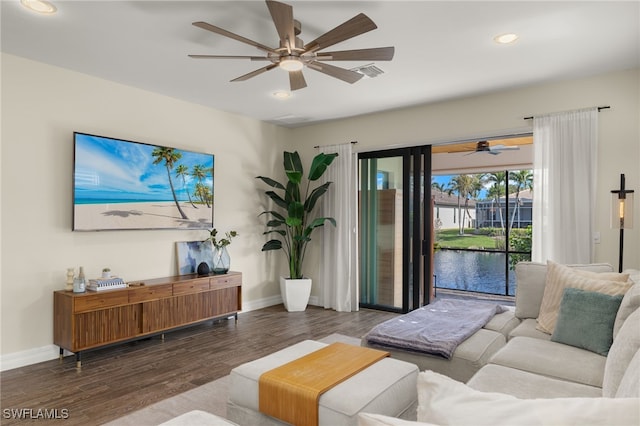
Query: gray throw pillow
[(586, 319)]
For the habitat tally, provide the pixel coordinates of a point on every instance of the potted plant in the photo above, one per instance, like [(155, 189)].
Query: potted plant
[(293, 225), (221, 258), (106, 273)]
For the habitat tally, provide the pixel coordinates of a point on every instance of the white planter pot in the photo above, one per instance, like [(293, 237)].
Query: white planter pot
[(295, 293)]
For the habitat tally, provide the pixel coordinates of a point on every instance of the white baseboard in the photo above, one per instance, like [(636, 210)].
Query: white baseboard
[(30, 356)]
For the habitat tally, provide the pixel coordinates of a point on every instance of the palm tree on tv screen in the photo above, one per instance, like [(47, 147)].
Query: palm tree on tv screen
[(170, 156), (183, 171), (200, 172)]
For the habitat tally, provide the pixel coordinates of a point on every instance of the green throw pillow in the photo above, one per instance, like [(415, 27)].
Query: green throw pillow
[(586, 319)]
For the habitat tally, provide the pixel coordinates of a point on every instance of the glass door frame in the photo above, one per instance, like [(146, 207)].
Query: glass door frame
[(417, 218)]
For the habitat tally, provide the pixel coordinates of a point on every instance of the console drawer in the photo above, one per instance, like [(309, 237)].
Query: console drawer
[(187, 287), (145, 293), (101, 300)]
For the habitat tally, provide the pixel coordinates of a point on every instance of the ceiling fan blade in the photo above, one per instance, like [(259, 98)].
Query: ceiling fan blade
[(254, 73), (504, 148), (296, 80), (375, 54), (253, 58), (221, 31), (337, 72), (282, 15), (357, 25)]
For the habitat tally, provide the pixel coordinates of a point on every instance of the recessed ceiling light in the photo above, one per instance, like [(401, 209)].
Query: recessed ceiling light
[(506, 38), (40, 6), (281, 94)]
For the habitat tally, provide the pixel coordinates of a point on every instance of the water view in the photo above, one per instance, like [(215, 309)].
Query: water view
[(481, 272)]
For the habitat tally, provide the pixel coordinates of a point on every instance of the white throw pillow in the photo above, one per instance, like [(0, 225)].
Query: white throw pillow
[(561, 276), (367, 419), (444, 401)]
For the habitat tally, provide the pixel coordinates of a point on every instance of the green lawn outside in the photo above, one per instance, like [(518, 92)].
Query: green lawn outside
[(449, 238)]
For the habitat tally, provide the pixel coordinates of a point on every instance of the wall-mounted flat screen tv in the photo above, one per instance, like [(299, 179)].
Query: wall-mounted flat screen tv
[(120, 184)]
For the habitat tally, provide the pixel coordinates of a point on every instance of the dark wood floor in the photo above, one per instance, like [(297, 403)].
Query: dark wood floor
[(120, 379)]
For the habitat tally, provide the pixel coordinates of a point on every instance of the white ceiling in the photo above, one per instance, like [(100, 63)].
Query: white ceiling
[(444, 49)]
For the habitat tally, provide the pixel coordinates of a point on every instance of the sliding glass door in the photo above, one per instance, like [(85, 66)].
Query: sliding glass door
[(395, 228)]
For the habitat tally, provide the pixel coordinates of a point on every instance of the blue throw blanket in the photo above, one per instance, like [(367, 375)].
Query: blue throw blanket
[(435, 329)]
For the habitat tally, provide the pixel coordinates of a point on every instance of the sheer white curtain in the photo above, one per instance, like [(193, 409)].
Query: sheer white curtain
[(564, 186), (339, 263)]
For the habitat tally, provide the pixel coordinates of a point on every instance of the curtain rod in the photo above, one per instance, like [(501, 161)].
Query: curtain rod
[(599, 109), (352, 142)]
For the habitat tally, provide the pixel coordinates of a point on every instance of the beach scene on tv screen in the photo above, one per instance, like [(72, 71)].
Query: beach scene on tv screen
[(131, 185)]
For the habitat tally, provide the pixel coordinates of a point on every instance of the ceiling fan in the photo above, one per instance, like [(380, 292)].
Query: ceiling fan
[(293, 55), (484, 147)]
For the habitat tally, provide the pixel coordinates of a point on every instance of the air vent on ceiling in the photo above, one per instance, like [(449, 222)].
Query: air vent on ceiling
[(369, 70)]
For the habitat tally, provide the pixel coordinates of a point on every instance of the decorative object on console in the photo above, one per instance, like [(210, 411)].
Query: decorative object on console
[(193, 253), (203, 268), (79, 283), (106, 284), (70, 275), (622, 213), (221, 258), (295, 226), (120, 184), (106, 273)]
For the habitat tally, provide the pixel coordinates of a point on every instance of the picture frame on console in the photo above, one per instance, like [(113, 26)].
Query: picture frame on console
[(191, 254), (124, 185)]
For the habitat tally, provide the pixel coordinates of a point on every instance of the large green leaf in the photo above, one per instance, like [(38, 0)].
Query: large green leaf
[(315, 195), (320, 164), (274, 223), (296, 214), (292, 193), (318, 222), (277, 199), (271, 182), (272, 245), (293, 167), (274, 214), (277, 231)]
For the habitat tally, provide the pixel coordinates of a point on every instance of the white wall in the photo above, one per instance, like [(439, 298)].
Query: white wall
[(41, 107), (502, 113)]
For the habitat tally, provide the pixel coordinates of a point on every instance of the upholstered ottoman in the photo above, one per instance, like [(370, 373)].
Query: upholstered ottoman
[(387, 387)]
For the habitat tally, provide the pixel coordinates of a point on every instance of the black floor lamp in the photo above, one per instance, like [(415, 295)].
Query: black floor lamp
[(622, 213)]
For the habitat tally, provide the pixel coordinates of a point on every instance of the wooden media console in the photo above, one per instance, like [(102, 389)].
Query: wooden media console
[(83, 321)]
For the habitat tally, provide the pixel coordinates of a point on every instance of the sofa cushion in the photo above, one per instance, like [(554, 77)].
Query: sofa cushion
[(527, 328), (552, 359), (523, 384), (560, 277), (531, 280), (503, 323), (630, 383), (197, 418), (630, 302), (368, 419), (622, 351), (586, 320), (469, 356), (444, 401)]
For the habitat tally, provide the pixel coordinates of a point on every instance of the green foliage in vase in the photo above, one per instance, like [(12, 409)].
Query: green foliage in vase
[(222, 242), (292, 225)]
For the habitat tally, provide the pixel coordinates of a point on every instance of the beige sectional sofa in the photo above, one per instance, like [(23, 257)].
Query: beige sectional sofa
[(535, 378)]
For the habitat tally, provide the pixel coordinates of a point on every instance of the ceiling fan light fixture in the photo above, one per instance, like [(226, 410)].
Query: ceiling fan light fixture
[(506, 38), (39, 6), (291, 63)]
